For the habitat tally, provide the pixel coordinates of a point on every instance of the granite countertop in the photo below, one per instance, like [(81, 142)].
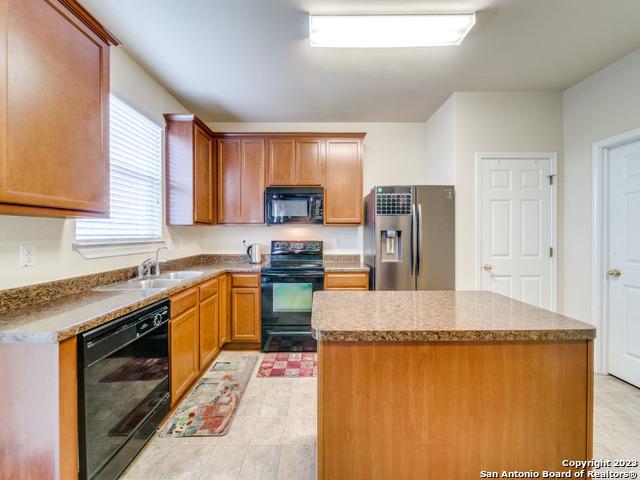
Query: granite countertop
[(437, 316), (345, 266), (70, 315)]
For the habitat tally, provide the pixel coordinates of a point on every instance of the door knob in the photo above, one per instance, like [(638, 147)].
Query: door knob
[(487, 267), (614, 272)]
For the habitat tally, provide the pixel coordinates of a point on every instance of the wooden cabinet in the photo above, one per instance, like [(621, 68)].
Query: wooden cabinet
[(206, 317), (54, 135), (209, 328), (329, 160), (282, 161), (245, 308), (225, 319), (343, 196), (184, 352), (346, 281), (190, 171), (241, 180), (204, 179), (310, 161), (296, 161)]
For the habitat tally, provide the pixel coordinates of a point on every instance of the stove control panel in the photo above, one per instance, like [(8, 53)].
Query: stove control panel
[(307, 247)]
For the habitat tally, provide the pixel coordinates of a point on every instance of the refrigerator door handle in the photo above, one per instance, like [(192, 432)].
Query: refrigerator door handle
[(419, 240), (414, 239)]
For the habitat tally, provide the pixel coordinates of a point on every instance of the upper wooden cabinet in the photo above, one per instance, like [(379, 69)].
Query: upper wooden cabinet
[(241, 180), (343, 182), (282, 161), (243, 163), (310, 161), (190, 171), (54, 120), (296, 161)]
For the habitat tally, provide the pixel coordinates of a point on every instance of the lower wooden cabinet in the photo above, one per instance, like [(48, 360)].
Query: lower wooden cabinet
[(224, 293), (206, 317), (245, 308), (183, 352), (346, 281), (209, 329)]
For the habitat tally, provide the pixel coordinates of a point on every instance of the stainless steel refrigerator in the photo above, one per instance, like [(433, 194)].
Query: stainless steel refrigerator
[(409, 237)]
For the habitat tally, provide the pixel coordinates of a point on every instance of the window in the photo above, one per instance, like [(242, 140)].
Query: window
[(135, 181)]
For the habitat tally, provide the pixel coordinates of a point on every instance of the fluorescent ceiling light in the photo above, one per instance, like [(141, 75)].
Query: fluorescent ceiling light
[(379, 31)]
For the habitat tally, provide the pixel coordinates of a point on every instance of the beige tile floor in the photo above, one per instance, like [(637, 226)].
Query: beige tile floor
[(273, 435)]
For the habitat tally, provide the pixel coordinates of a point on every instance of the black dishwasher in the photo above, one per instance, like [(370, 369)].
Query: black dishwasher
[(123, 389)]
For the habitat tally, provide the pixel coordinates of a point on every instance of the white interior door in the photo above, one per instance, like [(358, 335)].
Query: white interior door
[(624, 262), (517, 228)]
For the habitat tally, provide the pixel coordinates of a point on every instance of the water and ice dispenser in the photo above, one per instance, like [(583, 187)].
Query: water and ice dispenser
[(391, 245)]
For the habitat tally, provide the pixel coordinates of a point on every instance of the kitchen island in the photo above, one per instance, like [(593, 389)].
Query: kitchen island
[(446, 385)]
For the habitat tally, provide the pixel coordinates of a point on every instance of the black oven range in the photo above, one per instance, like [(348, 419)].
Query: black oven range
[(295, 271)]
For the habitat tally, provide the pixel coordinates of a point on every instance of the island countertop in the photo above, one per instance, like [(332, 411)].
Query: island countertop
[(416, 316)]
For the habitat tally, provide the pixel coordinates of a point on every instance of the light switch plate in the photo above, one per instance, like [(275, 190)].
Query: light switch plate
[(27, 256)]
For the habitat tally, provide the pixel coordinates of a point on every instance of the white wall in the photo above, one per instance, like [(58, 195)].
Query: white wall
[(394, 153), (440, 139), (603, 105), (496, 122), (53, 238)]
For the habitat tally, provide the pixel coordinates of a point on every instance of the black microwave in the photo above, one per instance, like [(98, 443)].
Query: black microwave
[(293, 205)]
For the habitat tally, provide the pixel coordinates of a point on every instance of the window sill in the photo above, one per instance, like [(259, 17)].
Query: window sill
[(90, 251)]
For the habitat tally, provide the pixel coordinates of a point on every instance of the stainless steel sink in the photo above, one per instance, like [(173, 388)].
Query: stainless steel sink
[(181, 275), (143, 284)]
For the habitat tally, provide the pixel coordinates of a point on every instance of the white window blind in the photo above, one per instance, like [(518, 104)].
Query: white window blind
[(135, 181)]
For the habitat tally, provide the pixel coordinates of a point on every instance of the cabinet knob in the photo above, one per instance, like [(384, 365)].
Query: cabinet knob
[(614, 272), (487, 267)]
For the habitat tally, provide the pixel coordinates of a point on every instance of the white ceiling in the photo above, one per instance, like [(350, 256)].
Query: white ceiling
[(250, 60)]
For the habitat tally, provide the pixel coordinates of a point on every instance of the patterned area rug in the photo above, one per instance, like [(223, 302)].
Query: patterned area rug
[(283, 364), (209, 408)]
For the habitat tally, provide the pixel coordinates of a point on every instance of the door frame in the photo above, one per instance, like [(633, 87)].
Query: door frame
[(553, 157), (600, 242)]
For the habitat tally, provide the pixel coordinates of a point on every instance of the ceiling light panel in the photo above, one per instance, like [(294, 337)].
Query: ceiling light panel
[(388, 31)]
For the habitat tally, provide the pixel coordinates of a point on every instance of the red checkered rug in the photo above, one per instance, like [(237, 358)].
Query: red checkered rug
[(282, 364)]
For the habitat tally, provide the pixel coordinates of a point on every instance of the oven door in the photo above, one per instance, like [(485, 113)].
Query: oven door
[(286, 309)]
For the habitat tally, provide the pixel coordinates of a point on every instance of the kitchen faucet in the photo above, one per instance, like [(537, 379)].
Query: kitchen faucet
[(150, 266)]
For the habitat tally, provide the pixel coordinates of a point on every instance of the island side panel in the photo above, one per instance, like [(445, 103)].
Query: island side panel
[(451, 409)]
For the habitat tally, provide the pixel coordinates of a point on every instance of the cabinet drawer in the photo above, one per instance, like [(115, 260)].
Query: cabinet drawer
[(183, 301), (208, 288), (245, 280), (346, 281)]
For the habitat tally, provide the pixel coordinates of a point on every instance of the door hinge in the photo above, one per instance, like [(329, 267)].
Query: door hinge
[(551, 252), (550, 177)]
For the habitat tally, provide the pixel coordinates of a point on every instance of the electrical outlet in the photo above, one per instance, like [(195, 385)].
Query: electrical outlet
[(27, 256)]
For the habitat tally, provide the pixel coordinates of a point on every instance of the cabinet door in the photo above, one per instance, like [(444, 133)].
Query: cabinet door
[(225, 324), (343, 182), (183, 338), (202, 177), (209, 329), (282, 162), (309, 162), (253, 165), (245, 314), (54, 92), (230, 181)]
